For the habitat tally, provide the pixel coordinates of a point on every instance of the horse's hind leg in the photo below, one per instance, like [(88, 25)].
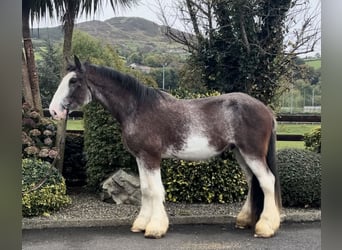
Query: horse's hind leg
[(269, 221), (244, 218), (152, 217)]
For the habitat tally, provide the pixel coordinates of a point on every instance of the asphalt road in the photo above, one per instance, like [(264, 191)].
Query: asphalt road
[(181, 237)]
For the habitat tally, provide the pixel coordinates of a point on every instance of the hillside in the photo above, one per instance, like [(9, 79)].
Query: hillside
[(125, 33), (315, 63)]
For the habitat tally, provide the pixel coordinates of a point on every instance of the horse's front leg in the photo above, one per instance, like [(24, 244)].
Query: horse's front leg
[(152, 217)]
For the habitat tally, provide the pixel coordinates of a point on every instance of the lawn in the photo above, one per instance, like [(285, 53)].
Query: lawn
[(295, 129), (290, 144), (316, 64), (75, 125), (282, 128)]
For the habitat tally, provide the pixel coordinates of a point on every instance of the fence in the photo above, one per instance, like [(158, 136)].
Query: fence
[(290, 118)]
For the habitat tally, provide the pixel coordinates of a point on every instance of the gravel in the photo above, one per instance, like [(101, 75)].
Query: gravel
[(88, 210)]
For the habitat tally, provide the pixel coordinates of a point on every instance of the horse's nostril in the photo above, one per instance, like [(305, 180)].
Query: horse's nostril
[(53, 113)]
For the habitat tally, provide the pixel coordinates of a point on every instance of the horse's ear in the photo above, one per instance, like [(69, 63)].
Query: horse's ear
[(78, 64)]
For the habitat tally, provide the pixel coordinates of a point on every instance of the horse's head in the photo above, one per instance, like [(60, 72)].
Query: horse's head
[(72, 92)]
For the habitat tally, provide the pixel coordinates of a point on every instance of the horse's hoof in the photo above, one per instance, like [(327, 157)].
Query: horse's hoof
[(238, 226), (263, 235), (156, 230), (137, 230), (154, 236), (139, 225), (264, 230), (243, 222)]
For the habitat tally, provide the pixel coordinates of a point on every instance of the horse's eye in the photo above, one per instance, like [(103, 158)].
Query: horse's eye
[(73, 80)]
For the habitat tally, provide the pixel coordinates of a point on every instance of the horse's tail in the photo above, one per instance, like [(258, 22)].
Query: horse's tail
[(257, 194)]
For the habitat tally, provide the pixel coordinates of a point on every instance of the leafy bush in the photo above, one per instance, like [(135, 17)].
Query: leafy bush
[(300, 177), (103, 146), (41, 199), (312, 140), (217, 180), (184, 93)]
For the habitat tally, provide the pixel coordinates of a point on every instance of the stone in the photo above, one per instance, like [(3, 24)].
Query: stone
[(122, 188)]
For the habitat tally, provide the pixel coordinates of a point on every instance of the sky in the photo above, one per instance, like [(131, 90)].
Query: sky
[(148, 9), (145, 8)]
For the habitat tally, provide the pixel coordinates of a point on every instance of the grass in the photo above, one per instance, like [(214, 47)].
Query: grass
[(316, 64), (282, 128), (295, 129), (290, 144), (75, 125)]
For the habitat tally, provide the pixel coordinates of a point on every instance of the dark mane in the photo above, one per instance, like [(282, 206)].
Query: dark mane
[(141, 92)]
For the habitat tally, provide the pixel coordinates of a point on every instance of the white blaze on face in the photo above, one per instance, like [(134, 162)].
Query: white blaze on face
[(56, 108)]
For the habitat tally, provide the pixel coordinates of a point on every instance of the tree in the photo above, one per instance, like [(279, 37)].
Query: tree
[(32, 9), (240, 45), (171, 77), (49, 71)]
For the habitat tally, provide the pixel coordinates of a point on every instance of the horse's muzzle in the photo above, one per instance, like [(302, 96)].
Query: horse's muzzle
[(58, 113)]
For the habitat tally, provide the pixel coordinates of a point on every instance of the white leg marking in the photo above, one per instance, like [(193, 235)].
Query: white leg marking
[(244, 218), (152, 217), (159, 222), (269, 221), (145, 213)]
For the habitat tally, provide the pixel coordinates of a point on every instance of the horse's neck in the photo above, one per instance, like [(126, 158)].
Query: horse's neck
[(118, 101)]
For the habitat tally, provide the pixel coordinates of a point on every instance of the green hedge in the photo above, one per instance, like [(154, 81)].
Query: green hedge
[(103, 146), (312, 140), (217, 180), (50, 196), (300, 177)]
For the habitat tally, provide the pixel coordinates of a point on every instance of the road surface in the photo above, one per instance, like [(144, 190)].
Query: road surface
[(181, 237)]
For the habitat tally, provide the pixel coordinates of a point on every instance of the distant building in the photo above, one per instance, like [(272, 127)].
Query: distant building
[(142, 68)]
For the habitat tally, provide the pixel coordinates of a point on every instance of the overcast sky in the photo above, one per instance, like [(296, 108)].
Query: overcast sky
[(147, 9)]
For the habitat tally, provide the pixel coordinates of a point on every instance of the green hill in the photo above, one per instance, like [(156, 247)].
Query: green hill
[(125, 33)]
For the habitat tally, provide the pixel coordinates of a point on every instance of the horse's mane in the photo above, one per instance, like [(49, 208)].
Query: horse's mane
[(142, 93)]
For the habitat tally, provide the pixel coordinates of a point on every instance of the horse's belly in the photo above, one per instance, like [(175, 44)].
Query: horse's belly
[(194, 148)]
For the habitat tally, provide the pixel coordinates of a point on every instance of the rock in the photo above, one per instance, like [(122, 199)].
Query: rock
[(122, 188)]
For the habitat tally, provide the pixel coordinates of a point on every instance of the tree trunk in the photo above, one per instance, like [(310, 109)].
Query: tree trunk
[(68, 28), (26, 82), (61, 125), (29, 54)]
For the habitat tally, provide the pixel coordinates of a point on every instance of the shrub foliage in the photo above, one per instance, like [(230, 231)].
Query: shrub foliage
[(103, 145), (50, 196), (312, 140), (217, 180), (300, 177)]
